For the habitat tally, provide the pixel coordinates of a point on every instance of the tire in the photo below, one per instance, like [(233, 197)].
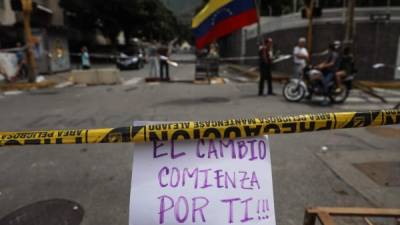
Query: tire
[(293, 92), (340, 97)]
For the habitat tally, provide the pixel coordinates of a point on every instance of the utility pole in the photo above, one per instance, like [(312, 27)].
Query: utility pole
[(258, 3), (348, 40), (27, 11), (310, 11), (260, 39)]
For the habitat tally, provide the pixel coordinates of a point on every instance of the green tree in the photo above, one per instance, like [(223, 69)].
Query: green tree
[(275, 7), (143, 18)]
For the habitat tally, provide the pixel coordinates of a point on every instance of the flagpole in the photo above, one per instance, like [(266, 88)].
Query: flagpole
[(257, 3), (259, 42)]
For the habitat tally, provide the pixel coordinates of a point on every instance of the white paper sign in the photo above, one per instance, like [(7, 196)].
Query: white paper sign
[(202, 182)]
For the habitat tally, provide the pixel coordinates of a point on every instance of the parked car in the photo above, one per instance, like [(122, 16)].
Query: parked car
[(131, 58)]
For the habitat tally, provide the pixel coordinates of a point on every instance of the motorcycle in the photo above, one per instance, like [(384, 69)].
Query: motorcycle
[(310, 83)]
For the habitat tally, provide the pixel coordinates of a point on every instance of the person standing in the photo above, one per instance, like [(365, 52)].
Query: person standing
[(164, 67), (300, 57), (265, 52), (19, 53), (153, 60), (3, 72), (22, 65), (214, 50), (85, 59)]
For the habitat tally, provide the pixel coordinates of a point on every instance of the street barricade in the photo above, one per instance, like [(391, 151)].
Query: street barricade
[(206, 68), (194, 130)]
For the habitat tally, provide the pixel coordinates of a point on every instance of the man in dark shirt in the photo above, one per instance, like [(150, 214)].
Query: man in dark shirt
[(329, 68), (346, 67), (265, 52)]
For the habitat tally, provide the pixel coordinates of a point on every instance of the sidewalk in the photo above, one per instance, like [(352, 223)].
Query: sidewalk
[(252, 72), (58, 80), (27, 86)]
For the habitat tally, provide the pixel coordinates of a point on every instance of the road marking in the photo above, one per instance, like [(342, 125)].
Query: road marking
[(372, 100), (355, 99), (387, 91), (227, 80), (365, 106), (393, 99), (8, 93), (132, 81), (64, 84), (241, 79)]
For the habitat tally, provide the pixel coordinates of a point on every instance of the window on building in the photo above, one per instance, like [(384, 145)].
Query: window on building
[(359, 3)]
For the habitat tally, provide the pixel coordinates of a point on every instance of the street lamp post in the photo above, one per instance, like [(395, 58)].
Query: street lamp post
[(27, 11), (310, 12), (348, 40)]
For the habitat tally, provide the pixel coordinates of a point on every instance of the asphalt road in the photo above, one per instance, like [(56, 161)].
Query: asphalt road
[(306, 169)]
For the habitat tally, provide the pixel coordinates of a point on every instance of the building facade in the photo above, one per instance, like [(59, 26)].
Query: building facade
[(376, 39), (49, 34)]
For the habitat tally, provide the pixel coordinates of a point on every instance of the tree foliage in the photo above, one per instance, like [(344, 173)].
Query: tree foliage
[(137, 18)]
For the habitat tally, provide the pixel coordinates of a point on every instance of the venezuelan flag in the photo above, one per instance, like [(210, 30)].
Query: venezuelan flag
[(221, 17)]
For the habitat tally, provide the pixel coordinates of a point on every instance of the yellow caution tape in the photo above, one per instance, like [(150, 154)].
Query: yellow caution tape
[(235, 128)]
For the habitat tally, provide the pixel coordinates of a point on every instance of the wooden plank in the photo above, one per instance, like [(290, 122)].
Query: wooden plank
[(325, 218), (371, 212)]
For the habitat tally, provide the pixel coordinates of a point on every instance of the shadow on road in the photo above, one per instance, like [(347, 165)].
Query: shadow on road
[(195, 101)]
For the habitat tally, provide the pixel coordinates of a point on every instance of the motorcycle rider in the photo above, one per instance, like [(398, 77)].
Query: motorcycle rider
[(346, 67), (329, 67)]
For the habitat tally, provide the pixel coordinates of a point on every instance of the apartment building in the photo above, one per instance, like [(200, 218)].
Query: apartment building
[(49, 31)]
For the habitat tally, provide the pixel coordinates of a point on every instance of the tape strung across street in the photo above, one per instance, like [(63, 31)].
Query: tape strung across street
[(189, 61), (235, 128)]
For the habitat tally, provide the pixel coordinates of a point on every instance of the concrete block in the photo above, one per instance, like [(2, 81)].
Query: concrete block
[(108, 76), (84, 77), (96, 76)]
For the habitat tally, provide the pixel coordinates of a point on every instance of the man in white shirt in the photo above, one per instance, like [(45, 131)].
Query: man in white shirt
[(300, 57)]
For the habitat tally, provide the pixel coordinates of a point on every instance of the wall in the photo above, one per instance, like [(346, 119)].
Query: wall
[(57, 18), (374, 43), (226, 44), (7, 16)]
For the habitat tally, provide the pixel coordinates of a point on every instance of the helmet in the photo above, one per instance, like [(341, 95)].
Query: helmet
[(337, 44)]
